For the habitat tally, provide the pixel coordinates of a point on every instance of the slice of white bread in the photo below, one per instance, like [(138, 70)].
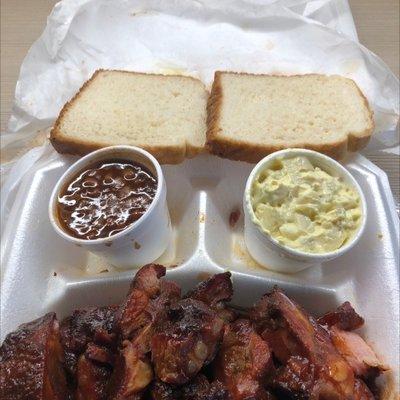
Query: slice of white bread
[(250, 116), (165, 115)]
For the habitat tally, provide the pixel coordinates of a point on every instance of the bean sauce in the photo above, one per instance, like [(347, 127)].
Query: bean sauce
[(105, 198)]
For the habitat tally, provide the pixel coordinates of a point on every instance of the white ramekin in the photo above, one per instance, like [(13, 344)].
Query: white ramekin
[(265, 249), (143, 241)]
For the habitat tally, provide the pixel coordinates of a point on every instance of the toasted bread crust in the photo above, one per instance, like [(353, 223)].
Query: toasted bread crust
[(168, 154), (240, 151), (214, 106), (358, 141)]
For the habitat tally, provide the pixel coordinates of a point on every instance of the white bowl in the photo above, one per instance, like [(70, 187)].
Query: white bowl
[(141, 242), (265, 249)]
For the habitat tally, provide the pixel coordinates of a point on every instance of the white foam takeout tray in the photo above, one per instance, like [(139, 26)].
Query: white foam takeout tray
[(42, 272)]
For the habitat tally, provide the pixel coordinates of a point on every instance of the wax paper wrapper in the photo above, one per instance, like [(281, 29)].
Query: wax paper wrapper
[(192, 38)]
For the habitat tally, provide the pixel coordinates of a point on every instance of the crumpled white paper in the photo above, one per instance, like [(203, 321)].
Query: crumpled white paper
[(195, 38)]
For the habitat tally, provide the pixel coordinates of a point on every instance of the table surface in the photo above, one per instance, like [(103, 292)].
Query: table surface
[(377, 23)]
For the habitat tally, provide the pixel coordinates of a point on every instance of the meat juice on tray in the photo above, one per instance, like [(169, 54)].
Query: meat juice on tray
[(161, 344)]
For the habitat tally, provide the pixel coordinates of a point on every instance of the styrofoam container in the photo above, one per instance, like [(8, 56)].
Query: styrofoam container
[(145, 239), (41, 271), (264, 248)]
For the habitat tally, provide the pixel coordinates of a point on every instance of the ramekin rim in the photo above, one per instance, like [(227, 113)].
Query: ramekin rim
[(291, 251), (80, 164)]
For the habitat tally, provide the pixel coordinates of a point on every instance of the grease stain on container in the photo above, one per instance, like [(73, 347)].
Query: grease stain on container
[(202, 218), (108, 244), (96, 265), (234, 217), (136, 245), (139, 13), (239, 251), (202, 276), (269, 44)]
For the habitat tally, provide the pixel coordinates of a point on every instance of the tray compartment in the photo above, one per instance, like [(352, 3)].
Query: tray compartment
[(51, 274)]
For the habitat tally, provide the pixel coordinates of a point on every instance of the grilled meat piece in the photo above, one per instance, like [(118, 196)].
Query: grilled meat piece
[(197, 389), (147, 298), (169, 293), (295, 380), (131, 314), (216, 291), (132, 374), (201, 389), (361, 391), (92, 379), (185, 340), (243, 362), (99, 354), (290, 331), (162, 391), (90, 324), (357, 353), (31, 361), (275, 348), (344, 317)]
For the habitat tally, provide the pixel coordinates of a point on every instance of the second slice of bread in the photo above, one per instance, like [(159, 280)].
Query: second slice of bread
[(250, 116), (165, 115)]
